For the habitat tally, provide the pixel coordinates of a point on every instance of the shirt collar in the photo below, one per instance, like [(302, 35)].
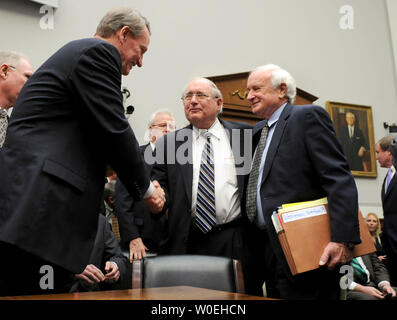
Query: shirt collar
[(214, 130), (276, 115)]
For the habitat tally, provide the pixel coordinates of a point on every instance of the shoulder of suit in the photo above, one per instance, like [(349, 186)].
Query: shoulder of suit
[(93, 46), (236, 125)]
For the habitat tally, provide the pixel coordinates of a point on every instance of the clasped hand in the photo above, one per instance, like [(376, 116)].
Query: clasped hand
[(92, 274), (156, 201)]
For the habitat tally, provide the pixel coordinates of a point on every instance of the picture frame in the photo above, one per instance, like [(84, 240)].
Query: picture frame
[(358, 143)]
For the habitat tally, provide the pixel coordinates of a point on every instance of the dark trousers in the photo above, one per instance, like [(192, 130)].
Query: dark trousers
[(22, 273), (266, 265), (223, 240)]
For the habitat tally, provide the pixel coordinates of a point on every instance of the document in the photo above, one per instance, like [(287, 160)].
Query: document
[(304, 231)]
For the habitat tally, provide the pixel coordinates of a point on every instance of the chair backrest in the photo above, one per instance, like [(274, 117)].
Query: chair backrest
[(218, 273)]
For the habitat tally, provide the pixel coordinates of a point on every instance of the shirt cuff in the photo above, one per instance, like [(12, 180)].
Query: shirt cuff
[(352, 285), (149, 191), (383, 283)]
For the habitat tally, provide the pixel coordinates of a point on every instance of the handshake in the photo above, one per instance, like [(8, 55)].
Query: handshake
[(156, 201)]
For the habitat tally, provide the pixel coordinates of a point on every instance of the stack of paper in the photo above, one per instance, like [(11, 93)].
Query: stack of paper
[(304, 231)]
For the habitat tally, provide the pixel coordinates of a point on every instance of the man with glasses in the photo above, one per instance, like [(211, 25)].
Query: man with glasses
[(53, 171), (139, 232), (199, 171), (15, 70)]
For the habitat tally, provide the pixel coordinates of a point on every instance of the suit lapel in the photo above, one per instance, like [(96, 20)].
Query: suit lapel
[(391, 185), (186, 168), (274, 144)]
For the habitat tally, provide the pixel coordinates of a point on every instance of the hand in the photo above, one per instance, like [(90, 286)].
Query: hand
[(335, 253), (137, 249), (156, 201), (91, 274), (388, 289), (361, 152), (112, 272), (370, 291), (382, 258)]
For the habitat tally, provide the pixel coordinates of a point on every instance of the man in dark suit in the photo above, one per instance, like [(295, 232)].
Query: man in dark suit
[(203, 203), (15, 70), (139, 232), (297, 158), (389, 204), (52, 164), (371, 280), (353, 142), (107, 264)]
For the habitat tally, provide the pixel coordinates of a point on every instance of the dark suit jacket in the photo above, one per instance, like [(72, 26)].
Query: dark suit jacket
[(389, 203), (306, 162), (106, 248), (351, 146), (53, 163), (176, 180), (135, 220)]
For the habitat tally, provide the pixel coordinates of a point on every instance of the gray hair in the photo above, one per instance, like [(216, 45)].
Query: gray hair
[(280, 76), (155, 114), (216, 93), (11, 58), (117, 18)]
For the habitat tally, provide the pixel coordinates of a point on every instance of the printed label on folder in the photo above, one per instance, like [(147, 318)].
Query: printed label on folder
[(304, 213)]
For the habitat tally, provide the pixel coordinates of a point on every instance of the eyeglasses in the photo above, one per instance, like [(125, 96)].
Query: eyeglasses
[(200, 96), (168, 126)]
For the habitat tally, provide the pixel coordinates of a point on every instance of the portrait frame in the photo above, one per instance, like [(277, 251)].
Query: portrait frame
[(364, 135)]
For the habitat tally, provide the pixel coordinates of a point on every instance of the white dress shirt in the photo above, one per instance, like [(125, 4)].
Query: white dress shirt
[(227, 202)]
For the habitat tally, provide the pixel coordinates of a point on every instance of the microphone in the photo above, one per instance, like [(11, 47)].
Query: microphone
[(130, 110)]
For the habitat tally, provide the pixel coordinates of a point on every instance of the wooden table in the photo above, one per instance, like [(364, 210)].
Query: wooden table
[(164, 293)]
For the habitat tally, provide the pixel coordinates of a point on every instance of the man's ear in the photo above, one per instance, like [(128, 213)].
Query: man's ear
[(283, 90), (4, 71)]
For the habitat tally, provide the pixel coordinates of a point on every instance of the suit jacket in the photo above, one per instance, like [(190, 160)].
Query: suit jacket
[(377, 270), (176, 179), (135, 219), (52, 164), (352, 145), (305, 162), (106, 248), (389, 204)]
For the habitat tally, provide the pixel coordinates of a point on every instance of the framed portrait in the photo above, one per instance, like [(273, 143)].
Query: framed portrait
[(354, 128)]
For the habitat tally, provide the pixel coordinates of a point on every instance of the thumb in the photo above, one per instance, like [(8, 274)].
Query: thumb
[(324, 258)]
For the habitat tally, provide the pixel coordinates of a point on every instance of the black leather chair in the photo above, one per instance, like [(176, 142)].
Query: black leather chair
[(218, 273)]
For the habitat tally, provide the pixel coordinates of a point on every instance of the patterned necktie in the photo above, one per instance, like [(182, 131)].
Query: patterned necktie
[(253, 177), (388, 178), (205, 217), (3, 126)]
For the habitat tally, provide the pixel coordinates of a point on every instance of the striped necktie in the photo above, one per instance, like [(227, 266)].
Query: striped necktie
[(253, 177), (205, 217), (360, 273), (3, 126)]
